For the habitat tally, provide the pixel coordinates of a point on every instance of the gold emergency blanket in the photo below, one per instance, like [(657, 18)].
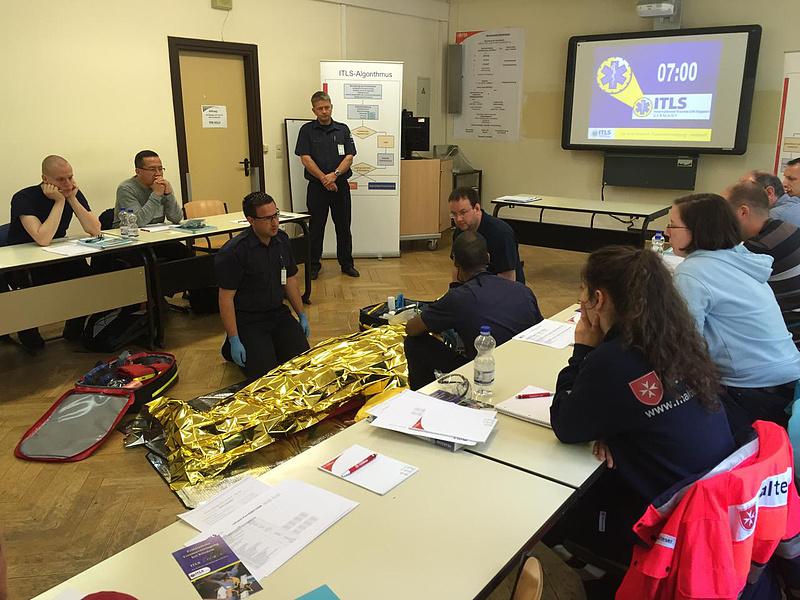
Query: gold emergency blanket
[(290, 398)]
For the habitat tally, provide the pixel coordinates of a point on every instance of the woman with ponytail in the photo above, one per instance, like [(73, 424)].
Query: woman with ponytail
[(642, 386), (733, 307)]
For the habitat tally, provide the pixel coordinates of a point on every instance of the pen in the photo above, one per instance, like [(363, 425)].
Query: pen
[(538, 395), (357, 466)]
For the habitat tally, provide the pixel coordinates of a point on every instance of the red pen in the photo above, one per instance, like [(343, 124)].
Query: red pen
[(538, 395), (357, 466)]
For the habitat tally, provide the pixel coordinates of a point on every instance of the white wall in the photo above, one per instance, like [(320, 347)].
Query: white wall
[(538, 164), (89, 79)]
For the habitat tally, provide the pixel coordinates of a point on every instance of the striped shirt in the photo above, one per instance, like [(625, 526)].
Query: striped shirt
[(781, 240)]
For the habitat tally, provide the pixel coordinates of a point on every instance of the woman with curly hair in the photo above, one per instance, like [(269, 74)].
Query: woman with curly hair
[(641, 385), (733, 307)]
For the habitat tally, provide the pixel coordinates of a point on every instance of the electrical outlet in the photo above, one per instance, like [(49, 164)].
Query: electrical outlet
[(278, 150), (222, 4), (266, 148)]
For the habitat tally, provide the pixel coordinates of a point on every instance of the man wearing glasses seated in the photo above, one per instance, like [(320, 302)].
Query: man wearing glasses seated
[(255, 272), (467, 214), (147, 193)]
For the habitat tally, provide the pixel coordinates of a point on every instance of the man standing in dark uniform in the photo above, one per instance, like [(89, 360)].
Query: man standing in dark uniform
[(327, 150), (255, 270)]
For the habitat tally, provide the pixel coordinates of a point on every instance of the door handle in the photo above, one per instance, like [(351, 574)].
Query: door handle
[(246, 163)]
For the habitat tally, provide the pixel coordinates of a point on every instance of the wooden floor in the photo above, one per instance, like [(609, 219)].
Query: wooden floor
[(60, 519)]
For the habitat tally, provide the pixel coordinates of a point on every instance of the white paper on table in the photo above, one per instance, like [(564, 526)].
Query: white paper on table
[(70, 594), (240, 221), (549, 333), (379, 475), (519, 198), (71, 248), (154, 228), (425, 415), (574, 318), (533, 410), (242, 496), (293, 515), (426, 434)]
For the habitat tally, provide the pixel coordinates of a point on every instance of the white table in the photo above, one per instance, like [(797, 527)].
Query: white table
[(39, 305), (524, 445), (571, 237), (447, 532)]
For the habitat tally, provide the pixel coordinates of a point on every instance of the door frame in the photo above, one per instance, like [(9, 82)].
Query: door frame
[(249, 52)]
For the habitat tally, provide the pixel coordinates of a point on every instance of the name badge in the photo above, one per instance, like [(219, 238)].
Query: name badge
[(283, 276), (341, 149)]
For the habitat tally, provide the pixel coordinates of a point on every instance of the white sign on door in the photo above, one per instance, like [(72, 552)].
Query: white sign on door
[(215, 116)]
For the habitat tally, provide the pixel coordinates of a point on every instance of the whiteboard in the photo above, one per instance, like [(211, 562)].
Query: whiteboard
[(297, 180)]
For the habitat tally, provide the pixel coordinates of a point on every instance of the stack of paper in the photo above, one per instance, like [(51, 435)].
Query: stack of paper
[(370, 470), (70, 248), (549, 333), (420, 415), (519, 198), (265, 526)]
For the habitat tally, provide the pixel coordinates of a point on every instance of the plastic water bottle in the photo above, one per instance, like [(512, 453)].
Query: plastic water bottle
[(123, 223), (133, 225), (483, 379), (657, 243)]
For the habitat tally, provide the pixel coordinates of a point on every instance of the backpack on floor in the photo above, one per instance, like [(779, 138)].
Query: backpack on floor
[(204, 300), (81, 420), (112, 330)]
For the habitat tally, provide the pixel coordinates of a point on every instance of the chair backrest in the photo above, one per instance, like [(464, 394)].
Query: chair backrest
[(106, 219), (530, 584), (204, 208), (4, 234)]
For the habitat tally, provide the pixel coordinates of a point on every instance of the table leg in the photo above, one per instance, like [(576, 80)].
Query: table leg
[(154, 293), (307, 292)]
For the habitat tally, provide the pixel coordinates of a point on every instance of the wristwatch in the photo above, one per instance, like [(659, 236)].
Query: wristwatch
[(336, 172)]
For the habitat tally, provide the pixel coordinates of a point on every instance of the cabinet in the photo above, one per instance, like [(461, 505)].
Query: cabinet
[(425, 185)]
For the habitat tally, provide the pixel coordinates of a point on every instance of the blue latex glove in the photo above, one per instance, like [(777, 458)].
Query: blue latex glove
[(304, 324), (238, 353)]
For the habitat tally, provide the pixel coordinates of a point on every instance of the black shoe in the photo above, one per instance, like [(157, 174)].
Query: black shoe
[(351, 271), (314, 274), (73, 328), (31, 340)]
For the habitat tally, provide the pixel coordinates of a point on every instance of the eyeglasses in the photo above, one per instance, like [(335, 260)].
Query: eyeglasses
[(152, 169), (671, 226), (461, 213), (269, 218)]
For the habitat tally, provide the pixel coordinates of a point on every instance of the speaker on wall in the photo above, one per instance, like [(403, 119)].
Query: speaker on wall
[(455, 61)]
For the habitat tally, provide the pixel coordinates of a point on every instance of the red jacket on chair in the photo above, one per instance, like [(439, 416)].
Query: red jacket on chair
[(710, 536)]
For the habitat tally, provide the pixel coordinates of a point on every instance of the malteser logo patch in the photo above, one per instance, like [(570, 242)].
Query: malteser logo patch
[(747, 517), (647, 389)]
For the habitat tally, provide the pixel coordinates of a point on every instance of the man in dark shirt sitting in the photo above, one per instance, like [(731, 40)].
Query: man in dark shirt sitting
[(779, 239), (41, 213), (500, 238), (477, 298)]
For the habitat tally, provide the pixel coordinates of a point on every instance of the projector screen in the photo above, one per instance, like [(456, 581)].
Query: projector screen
[(686, 90)]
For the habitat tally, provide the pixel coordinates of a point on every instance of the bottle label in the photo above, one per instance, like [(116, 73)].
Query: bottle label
[(484, 377)]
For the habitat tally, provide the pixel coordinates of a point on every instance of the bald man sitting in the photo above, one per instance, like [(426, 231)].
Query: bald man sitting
[(42, 213), (783, 205)]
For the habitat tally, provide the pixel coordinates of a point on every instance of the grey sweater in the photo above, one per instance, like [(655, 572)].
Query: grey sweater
[(146, 204)]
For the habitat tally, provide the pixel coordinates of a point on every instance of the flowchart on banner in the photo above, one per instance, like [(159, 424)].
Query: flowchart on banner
[(378, 149)]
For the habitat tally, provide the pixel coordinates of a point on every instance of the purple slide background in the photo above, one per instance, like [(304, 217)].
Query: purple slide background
[(607, 112)]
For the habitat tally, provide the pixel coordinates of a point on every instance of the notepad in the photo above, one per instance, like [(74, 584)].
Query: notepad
[(533, 410), (378, 475)]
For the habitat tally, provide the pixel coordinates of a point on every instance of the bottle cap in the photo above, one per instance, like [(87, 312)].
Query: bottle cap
[(485, 330)]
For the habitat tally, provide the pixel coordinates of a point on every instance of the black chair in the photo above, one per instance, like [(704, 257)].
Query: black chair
[(4, 287), (107, 219)]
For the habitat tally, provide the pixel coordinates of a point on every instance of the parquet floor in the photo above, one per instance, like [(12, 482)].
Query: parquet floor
[(60, 519)]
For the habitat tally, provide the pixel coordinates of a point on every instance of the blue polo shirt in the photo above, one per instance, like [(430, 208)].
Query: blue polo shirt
[(253, 269), (507, 307), (501, 242), (321, 143), (32, 201)]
